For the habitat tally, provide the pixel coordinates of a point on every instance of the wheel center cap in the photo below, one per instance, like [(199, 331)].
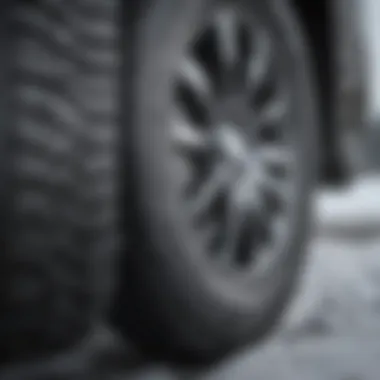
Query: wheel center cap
[(245, 167)]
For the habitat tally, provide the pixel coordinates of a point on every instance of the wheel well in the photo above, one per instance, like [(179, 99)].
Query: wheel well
[(317, 19)]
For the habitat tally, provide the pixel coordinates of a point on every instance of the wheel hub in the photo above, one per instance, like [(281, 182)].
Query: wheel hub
[(233, 121)]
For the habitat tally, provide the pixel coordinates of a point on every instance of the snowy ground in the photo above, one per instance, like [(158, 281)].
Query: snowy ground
[(332, 330)]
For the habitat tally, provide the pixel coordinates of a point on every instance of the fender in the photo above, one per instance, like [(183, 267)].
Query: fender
[(334, 31), (350, 91)]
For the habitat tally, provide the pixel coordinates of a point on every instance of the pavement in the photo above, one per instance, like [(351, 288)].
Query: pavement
[(332, 329)]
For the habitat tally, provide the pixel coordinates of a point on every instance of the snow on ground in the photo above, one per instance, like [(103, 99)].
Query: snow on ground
[(332, 329), (351, 209)]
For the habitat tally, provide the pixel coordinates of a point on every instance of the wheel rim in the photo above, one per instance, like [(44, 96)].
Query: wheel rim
[(230, 127)]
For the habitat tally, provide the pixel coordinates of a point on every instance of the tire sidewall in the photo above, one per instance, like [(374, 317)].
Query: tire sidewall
[(196, 305)]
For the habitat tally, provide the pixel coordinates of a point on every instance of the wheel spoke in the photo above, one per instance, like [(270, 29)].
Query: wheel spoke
[(195, 78), (278, 230), (226, 28), (271, 121), (266, 178), (246, 228), (278, 190), (276, 155), (187, 137), (273, 113), (213, 186), (259, 65), (233, 224), (280, 227), (244, 200)]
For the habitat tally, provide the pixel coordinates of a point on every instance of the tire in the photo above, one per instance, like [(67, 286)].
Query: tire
[(58, 174), (174, 304)]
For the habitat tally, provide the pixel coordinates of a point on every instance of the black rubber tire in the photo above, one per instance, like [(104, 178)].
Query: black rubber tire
[(58, 188), (173, 308)]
